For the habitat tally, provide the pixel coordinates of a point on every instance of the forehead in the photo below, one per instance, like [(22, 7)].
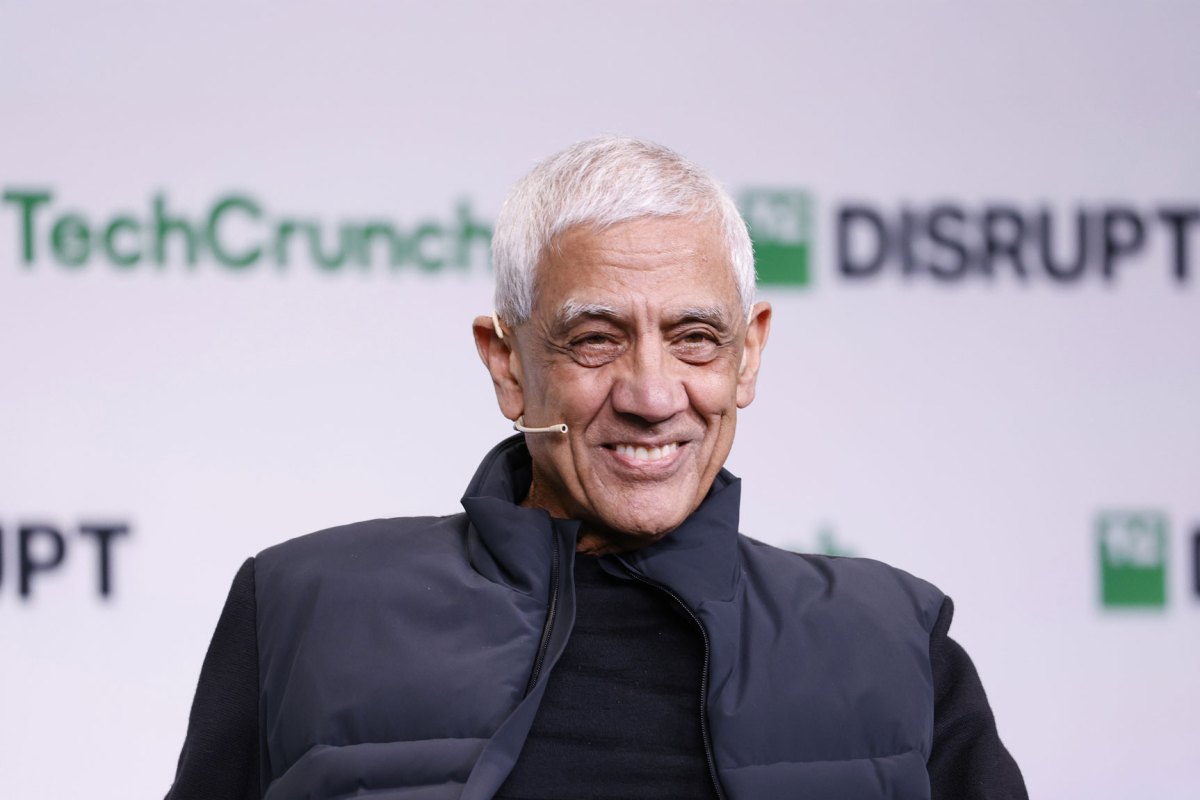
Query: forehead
[(654, 263)]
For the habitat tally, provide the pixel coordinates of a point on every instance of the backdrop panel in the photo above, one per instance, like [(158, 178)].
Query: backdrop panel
[(241, 246)]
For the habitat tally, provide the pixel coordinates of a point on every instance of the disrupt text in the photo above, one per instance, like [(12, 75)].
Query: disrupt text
[(950, 242)]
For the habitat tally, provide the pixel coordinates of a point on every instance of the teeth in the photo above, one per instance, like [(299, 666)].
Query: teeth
[(647, 454)]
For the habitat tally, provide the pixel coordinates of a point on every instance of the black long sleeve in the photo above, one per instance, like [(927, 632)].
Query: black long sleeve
[(968, 762), (219, 760)]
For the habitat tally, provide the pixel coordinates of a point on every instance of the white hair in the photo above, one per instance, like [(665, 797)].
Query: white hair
[(601, 182)]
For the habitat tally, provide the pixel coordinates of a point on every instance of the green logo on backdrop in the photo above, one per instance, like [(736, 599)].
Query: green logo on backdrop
[(781, 225), (1133, 559), (238, 233)]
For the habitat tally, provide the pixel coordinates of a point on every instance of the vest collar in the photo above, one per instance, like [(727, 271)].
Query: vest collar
[(699, 560)]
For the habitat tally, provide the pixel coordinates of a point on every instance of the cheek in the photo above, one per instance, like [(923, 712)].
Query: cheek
[(714, 393), (578, 392)]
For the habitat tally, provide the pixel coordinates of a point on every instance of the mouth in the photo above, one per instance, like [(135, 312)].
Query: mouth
[(639, 452), (644, 456)]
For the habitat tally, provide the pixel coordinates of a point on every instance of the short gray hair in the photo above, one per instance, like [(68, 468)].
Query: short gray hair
[(602, 182)]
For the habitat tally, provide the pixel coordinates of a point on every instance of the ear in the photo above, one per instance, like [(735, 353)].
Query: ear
[(503, 364), (756, 341)]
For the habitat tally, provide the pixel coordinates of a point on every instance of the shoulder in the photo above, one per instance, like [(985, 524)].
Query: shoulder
[(859, 587), (363, 538), (362, 549)]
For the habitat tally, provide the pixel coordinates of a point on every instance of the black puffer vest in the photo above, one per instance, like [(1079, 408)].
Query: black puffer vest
[(396, 656)]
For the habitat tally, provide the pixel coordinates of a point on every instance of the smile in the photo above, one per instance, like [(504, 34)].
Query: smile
[(640, 453)]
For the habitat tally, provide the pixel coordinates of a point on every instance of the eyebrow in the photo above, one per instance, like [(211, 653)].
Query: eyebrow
[(711, 315), (572, 311)]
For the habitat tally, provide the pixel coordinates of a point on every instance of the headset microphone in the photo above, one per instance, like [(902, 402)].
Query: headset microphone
[(519, 425)]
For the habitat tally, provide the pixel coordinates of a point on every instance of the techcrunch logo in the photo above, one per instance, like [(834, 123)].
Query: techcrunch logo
[(1133, 558), (946, 243), (238, 233), (781, 227), (1133, 549)]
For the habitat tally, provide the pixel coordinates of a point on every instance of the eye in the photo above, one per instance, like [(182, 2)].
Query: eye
[(697, 346), (595, 349)]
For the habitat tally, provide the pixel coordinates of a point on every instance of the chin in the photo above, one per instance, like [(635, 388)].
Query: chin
[(621, 528), (645, 527)]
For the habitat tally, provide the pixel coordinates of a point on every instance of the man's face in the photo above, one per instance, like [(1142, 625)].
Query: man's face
[(637, 341)]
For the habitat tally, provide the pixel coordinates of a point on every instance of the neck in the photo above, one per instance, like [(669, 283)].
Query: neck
[(594, 539), (598, 541)]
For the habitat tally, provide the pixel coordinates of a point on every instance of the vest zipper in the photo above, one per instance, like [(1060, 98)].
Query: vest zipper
[(551, 610), (708, 750)]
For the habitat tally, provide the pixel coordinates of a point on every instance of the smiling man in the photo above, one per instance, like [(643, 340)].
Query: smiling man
[(594, 625), (639, 340)]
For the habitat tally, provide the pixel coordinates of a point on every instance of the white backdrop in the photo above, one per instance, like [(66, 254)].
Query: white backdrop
[(977, 432)]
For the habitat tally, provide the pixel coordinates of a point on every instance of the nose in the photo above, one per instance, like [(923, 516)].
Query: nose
[(649, 385)]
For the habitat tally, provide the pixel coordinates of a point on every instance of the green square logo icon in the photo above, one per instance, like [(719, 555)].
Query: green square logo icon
[(781, 225), (1133, 559)]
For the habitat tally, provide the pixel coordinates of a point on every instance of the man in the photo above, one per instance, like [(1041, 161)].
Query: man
[(594, 626)]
